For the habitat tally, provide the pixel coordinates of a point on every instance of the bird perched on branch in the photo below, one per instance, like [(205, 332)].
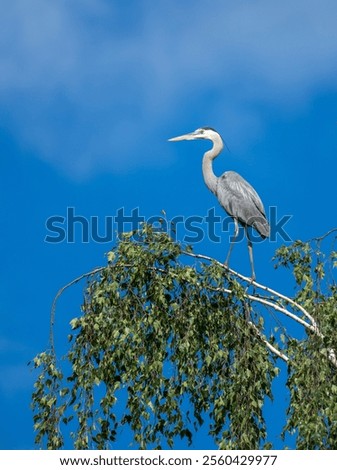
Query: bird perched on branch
[(234, 193)]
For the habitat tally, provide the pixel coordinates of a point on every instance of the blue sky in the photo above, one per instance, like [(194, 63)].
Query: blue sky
[(90, 91)]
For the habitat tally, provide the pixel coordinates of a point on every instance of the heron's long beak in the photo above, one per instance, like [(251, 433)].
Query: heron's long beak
[(190, 136)]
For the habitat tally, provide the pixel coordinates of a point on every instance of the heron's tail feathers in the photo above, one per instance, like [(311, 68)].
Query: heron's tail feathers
[(261, 225)]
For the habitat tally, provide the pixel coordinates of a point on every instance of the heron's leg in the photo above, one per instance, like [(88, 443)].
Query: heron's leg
[(236, 232), (250, 250)]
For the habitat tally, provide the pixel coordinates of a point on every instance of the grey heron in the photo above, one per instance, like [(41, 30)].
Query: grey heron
[(234, 193)]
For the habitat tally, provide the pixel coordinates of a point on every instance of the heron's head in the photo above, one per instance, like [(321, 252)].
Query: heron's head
[(201, 133)]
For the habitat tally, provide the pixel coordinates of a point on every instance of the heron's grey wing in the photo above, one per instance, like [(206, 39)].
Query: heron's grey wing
[(241, 201)]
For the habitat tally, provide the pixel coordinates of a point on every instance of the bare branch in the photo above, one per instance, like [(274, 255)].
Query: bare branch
[(257, 285), (282, 310), (269, 346), (318, 239), (271, 304)]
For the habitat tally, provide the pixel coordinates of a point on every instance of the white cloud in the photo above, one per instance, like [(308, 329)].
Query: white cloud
[(94, 85)]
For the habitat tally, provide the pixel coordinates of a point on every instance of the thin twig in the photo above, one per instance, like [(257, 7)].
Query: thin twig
[(318, 239), (59, 293)]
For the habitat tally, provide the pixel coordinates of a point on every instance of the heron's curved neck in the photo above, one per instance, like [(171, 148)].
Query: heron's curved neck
[(207, 164)]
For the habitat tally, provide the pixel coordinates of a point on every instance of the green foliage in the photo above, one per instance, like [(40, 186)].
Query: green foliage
[(162, 345), (46, 399), (312, 377), (312, 383)]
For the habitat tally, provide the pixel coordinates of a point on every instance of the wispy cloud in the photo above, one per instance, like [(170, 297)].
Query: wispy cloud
[(93, 85)]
